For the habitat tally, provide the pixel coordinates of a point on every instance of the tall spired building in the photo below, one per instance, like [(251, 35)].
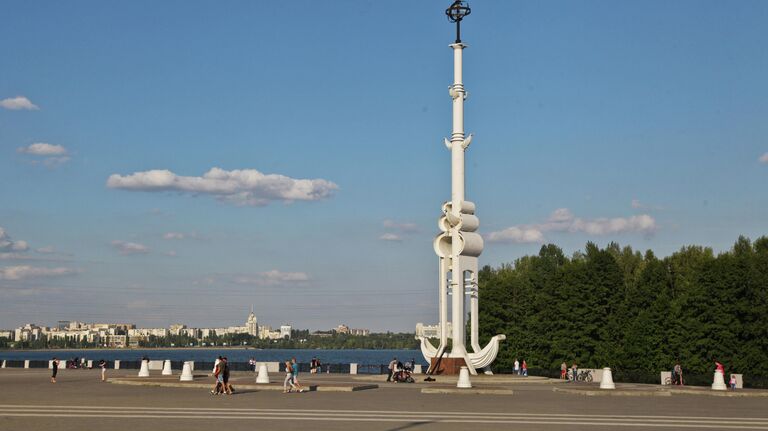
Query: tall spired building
[(458, 245), (251, 324)]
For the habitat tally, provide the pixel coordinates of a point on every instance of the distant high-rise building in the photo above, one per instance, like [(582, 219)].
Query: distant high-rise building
[(252, 324), (285, 331)]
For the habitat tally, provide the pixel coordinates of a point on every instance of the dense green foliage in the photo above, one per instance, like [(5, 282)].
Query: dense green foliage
[(630, 311)]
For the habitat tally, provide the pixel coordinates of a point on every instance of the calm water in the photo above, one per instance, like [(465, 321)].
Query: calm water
[(362, 357)]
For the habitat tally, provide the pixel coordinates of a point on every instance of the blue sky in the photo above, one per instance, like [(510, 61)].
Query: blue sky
[(641, 123)]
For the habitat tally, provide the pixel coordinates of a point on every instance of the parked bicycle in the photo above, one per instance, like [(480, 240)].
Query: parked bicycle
[(583, 376)]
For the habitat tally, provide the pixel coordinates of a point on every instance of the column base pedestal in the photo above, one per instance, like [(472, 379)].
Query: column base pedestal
[(448, 366)]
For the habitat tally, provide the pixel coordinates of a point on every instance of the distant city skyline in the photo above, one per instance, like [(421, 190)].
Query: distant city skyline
[(178, 161)]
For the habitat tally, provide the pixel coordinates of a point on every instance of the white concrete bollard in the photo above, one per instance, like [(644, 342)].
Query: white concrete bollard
[(186, 372), (263, 376), (353, 368), (167, 368), (464, 382), (607, 381), (3, 366), (144, 371), (90, 364), (117, 364), (719, 382), (26, 363)]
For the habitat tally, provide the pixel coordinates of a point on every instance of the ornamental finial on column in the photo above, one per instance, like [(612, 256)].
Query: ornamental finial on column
[(456, 12)]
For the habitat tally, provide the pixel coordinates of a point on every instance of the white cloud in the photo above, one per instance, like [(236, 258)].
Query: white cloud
[(401, 226), (46, 250), (764, 158), (174, 235), (43, 149), (636, 204), (18, 103), (272, 278), (9, 245), (128, 248), (171, 253), (563, 220), (25, 271), (390, 237), (246, 187), (51, 155), (518, 235)]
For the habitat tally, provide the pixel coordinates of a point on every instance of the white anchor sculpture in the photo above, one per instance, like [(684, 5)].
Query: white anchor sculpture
[(458, 245)]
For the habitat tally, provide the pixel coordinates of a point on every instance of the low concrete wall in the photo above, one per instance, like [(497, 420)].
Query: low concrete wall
[(664, 376), (155, 365)]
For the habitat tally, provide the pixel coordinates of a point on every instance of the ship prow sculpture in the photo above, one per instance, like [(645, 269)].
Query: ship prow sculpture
[(458, 246)]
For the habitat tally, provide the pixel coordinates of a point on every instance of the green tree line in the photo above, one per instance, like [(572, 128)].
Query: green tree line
[(634, 312)]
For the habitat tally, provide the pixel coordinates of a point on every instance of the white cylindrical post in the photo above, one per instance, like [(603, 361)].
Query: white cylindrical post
[(90, 364), (186, 372), (607, 381), (718, 384), (458, 349), (3, 366), (144, 371), (117, 364), (263, 376), (167, 368), (352, 368), (26, 363), (464, 382)]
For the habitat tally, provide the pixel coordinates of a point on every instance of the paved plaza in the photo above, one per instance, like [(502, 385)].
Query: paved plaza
[(80, 402)]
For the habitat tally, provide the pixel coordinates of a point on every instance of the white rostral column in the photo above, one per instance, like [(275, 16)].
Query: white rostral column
[(458, 246)]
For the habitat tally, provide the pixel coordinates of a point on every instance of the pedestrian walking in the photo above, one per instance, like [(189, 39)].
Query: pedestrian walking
[(313, 366), (103, 366), (563, 371), (288, 378), (524, 368), (574, 372), (295, 371), (54, 369), (677, 371), (392, 367), (226, 387), (218, 376), (517, 367)]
